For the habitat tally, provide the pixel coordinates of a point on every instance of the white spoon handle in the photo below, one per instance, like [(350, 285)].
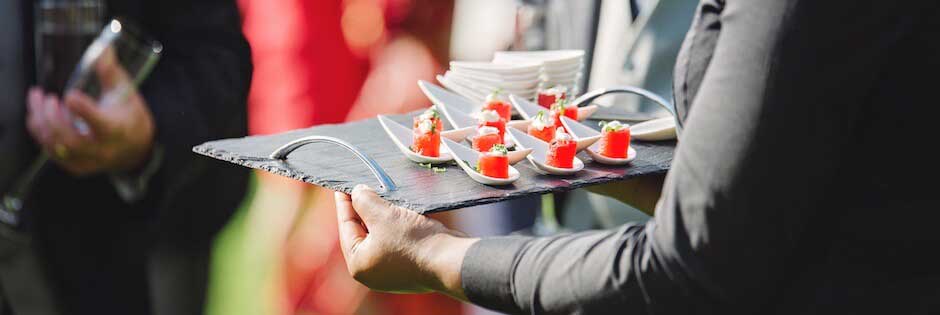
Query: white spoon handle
[(586, 98)]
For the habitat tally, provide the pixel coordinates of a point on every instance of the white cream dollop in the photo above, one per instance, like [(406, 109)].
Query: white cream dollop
[(497, 153), (495, 96), (426, 126), (540, 123), (487, 130), (557, 90), (616, 125), (560, 134), (489, 116), (427, 115)]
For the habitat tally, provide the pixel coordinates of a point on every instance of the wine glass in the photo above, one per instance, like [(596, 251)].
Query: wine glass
[(120, 45)]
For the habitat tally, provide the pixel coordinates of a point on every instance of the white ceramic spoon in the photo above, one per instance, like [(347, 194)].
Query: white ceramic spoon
[(467, 133), (528, 109), (403, 138), (464, 121), (459, 134), (579, 130), (442, 97), (466, 155), (518, 155), (655, 129), (519, 124), (453, 105), (456, 117), (540, 152), (523, 125), (457, 109), (461, 120)]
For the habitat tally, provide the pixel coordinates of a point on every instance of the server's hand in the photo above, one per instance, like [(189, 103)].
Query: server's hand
[(389, 248)]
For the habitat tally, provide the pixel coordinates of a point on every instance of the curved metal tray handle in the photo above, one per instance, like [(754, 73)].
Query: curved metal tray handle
[(586, 98), (281, 154)]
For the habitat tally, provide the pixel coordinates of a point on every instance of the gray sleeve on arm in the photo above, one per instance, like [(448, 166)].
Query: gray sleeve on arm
[(737, 207)]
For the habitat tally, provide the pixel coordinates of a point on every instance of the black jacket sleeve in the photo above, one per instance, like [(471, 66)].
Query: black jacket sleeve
[(197, 91), (776, 113)]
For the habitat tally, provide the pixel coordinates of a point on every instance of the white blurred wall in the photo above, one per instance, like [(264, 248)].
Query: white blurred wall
[(482, 27)]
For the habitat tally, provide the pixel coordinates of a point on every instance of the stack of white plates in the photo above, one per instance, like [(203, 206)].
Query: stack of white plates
[(476, 80), (520, 73), (559, 67)]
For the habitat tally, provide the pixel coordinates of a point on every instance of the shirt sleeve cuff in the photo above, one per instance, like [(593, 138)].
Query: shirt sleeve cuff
[(487, 272), (133, 187)]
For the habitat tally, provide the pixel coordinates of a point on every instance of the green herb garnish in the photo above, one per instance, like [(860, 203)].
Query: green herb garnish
[(476, 167), (433, 112), (559, 105), (611, 126), (540, 116), (431, 130), (499, 148)]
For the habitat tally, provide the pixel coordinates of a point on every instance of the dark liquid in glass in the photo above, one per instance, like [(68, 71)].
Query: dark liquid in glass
[(60, 54), (64, 29)]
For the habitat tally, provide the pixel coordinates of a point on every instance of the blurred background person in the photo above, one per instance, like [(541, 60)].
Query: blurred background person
[(122, 220)]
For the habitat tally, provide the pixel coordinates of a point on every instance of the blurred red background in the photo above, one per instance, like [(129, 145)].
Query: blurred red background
[(330, 61)]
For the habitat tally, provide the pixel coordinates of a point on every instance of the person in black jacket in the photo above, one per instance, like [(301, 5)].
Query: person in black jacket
[(89, 244), (801, 184)]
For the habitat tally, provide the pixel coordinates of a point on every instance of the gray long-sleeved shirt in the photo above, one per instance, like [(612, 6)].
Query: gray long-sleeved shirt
[(804, 181)]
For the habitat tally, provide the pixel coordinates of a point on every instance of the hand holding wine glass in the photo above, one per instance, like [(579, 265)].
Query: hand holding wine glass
[(120, 126)]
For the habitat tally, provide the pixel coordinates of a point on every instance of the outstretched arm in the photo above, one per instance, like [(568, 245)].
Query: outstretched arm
[(736, 209)]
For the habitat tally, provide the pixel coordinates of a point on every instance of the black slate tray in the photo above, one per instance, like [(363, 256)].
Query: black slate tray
[(419, 188)]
